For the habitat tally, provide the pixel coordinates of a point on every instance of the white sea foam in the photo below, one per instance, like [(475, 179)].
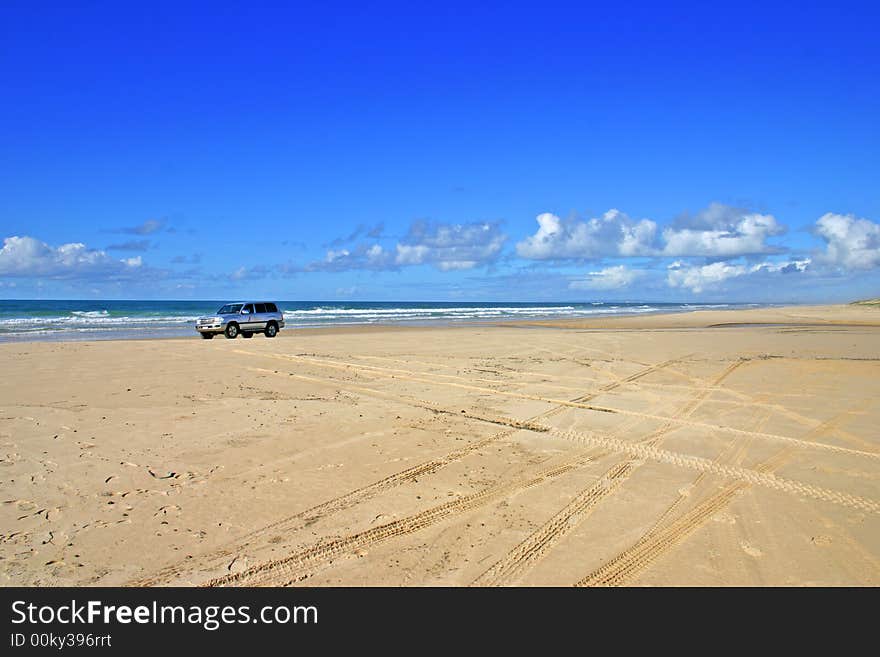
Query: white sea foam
[(88, 321), (90, 313), (132, 323), (95, 319), (320, 311), (328, 315)]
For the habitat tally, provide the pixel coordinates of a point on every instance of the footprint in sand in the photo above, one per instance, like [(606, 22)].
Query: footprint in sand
[(170, 475), (23, 505), (237, 565), (750, 550), (165, 510)]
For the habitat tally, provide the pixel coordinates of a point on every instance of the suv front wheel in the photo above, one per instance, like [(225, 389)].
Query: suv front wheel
[(231, 330)]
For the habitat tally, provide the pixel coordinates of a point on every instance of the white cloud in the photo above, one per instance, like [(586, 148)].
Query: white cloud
[(444, 246), (451, 246), (717, 231), (698, 278), (333, 256), (788, 267), (411, 255), (29, 257), (614, 233), (723, 232), (610, 278), (852, 243)]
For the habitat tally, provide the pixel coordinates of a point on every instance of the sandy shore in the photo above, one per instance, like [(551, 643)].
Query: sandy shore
[(709, 448)]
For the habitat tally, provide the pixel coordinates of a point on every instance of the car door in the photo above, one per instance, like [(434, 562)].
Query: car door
[(260, 316), (249, 318)]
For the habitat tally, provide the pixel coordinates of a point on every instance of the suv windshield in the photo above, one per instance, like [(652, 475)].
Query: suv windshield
[(230, 309)]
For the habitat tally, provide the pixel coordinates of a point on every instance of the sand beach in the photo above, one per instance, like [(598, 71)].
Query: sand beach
[(713, 448)]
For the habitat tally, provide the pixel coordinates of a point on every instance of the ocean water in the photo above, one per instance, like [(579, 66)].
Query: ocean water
[(90, 320)]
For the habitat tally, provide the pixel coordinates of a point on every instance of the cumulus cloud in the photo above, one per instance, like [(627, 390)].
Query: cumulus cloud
[(699, 277), (339, 260), (614, 233), (30, 257), (723, 232), (610, 278), (789, 267), (851, 243), (375, 254), (336, 256), (411, 254), (718, 231), (696, 278), (711, 217), (444, 246), (451, 246)]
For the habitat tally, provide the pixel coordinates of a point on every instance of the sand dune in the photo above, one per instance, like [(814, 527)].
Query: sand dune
[(707, 448)]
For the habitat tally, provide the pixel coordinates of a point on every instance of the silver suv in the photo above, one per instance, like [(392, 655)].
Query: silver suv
[(246, 318)]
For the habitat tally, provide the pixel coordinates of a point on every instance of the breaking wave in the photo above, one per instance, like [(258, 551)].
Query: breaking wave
[(66, 319)]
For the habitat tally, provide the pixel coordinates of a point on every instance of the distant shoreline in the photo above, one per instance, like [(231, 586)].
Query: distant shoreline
[(76, 321), (793, 315)]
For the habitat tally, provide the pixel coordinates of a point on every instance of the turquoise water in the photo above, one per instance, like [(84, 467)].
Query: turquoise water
[(90, 320)]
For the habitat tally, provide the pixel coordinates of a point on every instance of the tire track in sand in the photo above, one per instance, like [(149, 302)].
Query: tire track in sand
[(659, 540), (306, 562), (535, 547), (751, 400), (609, 442), (220, 557), (407, 375)]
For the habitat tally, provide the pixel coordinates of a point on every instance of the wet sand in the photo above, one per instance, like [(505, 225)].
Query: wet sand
[(706, 448)]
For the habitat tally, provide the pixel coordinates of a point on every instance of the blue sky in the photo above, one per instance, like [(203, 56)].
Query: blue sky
[(506, 151)]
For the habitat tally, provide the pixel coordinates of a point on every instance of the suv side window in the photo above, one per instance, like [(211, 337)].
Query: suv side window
[(271, 308), (261, 307), (249, 307)]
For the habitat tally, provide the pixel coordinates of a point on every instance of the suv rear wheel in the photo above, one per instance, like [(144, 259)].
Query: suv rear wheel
[(271, 329), (231, 330)]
